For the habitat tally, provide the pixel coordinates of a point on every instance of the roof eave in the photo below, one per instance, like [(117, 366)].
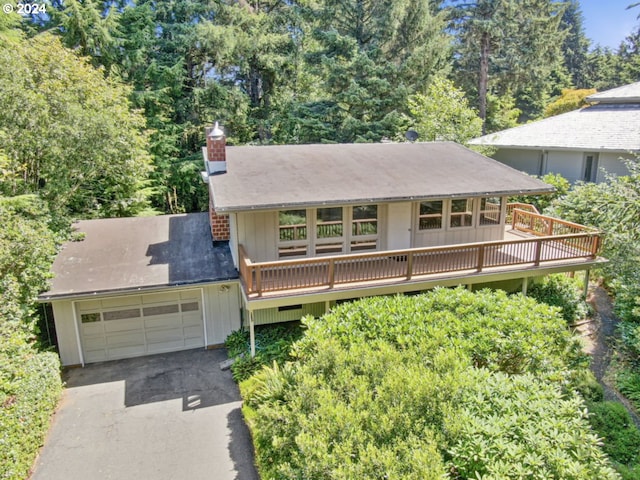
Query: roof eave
[(47, 297), (414, 198)]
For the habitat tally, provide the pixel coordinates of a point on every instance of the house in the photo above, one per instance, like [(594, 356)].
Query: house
[(582, 145), (297, 229)]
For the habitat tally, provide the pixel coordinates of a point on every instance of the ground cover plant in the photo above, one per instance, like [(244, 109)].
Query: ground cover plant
[(448, 384), (273, 343)]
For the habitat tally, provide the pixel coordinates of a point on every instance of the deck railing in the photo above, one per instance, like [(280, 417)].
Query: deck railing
[(527, 207), (332, 271)]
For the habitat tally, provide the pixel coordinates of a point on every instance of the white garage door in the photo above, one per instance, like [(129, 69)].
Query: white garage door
[(137, 325)]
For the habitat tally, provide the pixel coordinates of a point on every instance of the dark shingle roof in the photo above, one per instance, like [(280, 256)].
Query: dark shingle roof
[(140, 253), (270, 177)]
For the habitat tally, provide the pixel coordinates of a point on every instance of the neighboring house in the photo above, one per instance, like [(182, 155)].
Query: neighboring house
[(297, 229), (582, 145)]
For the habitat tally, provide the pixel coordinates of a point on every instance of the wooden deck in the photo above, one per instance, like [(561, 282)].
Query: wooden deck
[(531, 241)]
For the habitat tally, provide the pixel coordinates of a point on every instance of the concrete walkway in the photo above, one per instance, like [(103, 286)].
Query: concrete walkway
[(170, 416)]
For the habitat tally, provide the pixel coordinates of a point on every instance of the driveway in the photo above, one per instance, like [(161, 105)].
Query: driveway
[(170, 416)]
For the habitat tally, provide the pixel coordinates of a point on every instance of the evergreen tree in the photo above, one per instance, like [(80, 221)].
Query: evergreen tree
[(371, 56), (507, 46), (575, 47)]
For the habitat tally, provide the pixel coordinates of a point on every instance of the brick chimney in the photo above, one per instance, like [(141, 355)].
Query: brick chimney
[(215, 156)]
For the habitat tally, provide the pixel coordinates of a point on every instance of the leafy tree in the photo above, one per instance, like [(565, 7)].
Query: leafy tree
[(569, 101), (505, 46), (443, 113), (69, 134)]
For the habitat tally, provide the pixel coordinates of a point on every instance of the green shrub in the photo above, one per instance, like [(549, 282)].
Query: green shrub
[(30, 387), (630, 336), (515, 427), (621, 437), (273, 343), (559, 290), (585, 383), (449, 384), (541, 202), (628, 382)]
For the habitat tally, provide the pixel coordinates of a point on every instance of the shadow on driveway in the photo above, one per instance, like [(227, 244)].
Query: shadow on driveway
[(165, 416)]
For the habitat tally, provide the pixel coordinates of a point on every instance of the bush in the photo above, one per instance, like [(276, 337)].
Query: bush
[(560, 291), (621, 437), (30, 387), (273, 343), (446, 383), (515, 427), (541, 202), (628, 382)]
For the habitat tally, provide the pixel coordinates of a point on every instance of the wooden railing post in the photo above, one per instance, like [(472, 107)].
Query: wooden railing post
[(409, 265), (538, 252), (550, 228), (480, 258), (331, 273), (258, 271)]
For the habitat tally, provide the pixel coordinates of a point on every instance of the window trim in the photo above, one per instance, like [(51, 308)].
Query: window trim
[(443, 209), (500, 212), (312, 242), (450, 214)]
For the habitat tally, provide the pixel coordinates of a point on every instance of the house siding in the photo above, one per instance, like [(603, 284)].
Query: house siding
[(612, 164), (528, 161), (272, 315), (257, 233)]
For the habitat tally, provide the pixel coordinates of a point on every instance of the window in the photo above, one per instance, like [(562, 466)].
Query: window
[(430, 217), (590, 167), (364, 228), (292, 233), (122, 314), (335, 230), (329, 231), (90, 317), (293, 225), (160, 310), (490, 211), (461, 213)]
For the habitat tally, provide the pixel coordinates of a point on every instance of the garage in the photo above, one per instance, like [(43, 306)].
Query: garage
[(139, 286), (132, 326)]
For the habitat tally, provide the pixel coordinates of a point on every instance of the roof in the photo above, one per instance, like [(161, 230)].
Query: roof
[(601, 127), (270, 177), (139, 253), (625, 94)]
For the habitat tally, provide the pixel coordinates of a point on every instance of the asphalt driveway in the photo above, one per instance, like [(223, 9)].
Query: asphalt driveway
[(170, 416)]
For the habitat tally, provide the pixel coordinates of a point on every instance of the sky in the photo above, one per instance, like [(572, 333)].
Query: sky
[(607, 22)]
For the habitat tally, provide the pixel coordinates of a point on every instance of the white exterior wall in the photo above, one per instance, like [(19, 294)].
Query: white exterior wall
[(221, 309), (611, 163), (66, 332), (528, 161), (256, 231), (568, 164)]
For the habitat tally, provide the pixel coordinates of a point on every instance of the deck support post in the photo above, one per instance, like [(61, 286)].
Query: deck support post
[(585, 288), (252, 334), (525, 284), (327, 306)]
